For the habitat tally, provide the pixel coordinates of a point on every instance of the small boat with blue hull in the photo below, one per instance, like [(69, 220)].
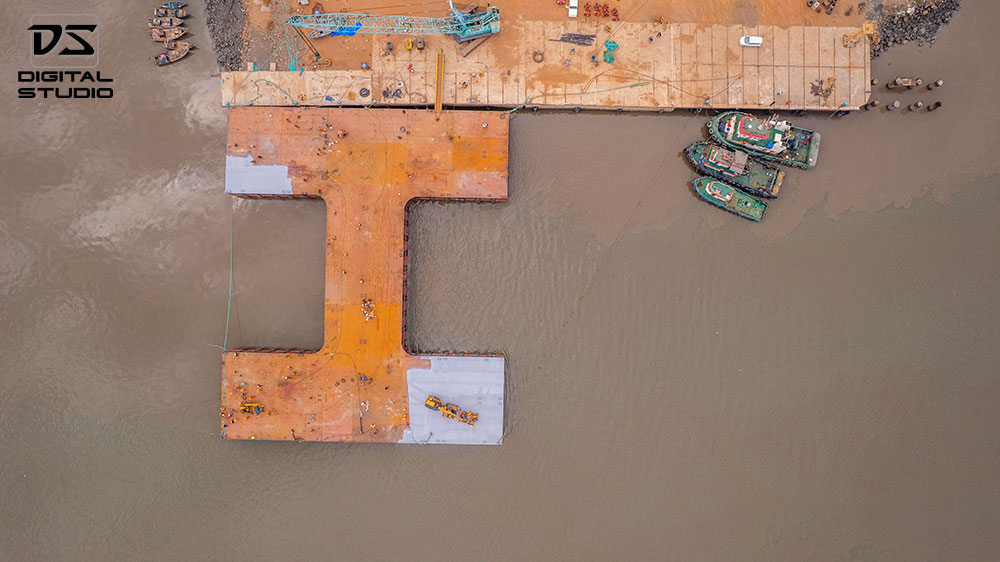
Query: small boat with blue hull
[(164, 23), (170, 13)]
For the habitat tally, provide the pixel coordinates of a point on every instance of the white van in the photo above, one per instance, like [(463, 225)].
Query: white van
[(573, 7), (751, 41)]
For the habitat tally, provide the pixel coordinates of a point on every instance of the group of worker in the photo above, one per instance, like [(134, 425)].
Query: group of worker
[(368, 309), (599, 10)]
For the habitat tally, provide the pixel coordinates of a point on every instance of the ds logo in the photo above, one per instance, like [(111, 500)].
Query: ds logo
[(56, 30), (64, 41)]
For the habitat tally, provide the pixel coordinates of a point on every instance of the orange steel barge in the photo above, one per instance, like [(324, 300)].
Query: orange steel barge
[(367, 167)]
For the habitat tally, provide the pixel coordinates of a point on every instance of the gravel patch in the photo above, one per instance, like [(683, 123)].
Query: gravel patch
[(913, 21), (226, 19)]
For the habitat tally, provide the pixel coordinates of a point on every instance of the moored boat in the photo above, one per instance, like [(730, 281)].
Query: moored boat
[(170, 13), (164, 23), (168, 34), (735, 167), (730, 198), (176, 5), (180, 50), (769, 139), (173, 45)]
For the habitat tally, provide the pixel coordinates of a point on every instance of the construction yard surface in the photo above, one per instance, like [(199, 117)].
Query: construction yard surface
[(680, 53), (366, 166)]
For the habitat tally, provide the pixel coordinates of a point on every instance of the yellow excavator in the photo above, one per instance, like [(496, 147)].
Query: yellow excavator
[(251, 408), (451, 411), (868, 28)]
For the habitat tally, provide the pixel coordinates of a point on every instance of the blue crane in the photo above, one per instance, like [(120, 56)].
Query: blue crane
[(464, 26)]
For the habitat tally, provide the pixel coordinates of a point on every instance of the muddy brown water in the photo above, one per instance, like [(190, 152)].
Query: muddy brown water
[(681, 384)]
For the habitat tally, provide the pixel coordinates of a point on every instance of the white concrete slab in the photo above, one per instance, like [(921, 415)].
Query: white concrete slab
[(473, 383), (243, 176)]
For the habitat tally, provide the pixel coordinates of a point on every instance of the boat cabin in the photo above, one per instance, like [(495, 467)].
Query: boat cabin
[(766, 136), (732, 161)]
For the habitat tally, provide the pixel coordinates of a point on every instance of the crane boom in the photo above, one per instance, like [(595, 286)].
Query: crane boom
[(465, 27)]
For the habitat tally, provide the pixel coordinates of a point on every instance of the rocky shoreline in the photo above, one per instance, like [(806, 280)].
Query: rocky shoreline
[(912, 21), (226, 20)]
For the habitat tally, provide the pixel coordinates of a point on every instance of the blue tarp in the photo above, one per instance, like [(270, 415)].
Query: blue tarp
[(346, 32)]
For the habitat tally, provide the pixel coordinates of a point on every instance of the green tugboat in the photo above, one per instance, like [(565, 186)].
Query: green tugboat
[(735, 167), (729, 198), (776, 141)]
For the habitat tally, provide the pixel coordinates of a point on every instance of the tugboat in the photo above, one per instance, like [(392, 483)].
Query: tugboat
[(168, 34), (176, 50), (776, 141), (729, 198), (735, 167), (170, 13), (164, 23)]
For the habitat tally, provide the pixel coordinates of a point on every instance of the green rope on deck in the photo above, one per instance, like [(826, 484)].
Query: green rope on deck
[(248, 74), (268, 82), (284, 27)]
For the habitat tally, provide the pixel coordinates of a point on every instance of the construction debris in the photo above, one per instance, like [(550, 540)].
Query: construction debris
[(824, 87), (581, 39)]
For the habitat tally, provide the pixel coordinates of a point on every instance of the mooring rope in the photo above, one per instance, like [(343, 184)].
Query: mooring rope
[(635, 85), (229, 301)]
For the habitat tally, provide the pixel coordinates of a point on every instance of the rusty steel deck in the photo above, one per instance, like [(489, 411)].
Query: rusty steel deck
[(367, 166), (657, 66)]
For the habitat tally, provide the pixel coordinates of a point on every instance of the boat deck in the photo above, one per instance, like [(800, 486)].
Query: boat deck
[(366, 166)]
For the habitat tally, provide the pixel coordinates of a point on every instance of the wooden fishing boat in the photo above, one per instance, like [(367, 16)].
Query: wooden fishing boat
[(173, 45), (170, 13), (164, 23), (168, 34), (180, 50)]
